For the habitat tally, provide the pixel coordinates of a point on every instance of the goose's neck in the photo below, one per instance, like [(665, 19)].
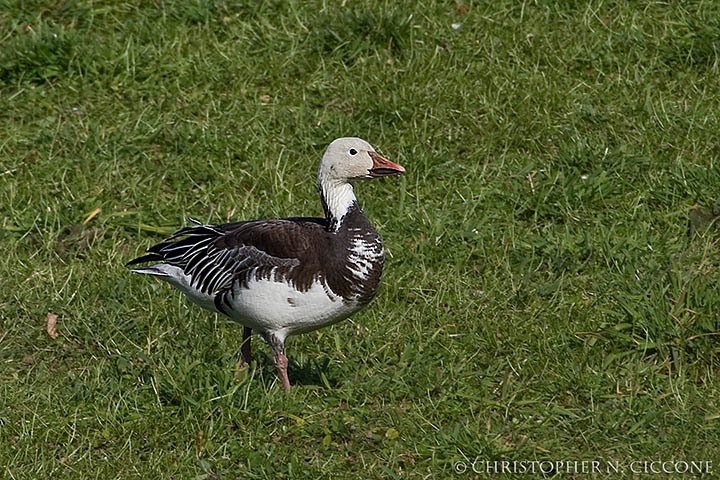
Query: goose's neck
[(338, 198)]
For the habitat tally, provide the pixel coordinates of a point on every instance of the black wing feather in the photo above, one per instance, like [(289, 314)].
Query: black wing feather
[(214, 256)]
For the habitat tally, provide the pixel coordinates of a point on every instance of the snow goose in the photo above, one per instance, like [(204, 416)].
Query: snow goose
[(281, 277)]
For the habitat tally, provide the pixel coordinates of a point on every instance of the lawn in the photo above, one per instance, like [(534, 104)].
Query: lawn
[(552, 290)]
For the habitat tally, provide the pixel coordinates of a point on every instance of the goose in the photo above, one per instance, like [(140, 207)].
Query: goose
[(286, 276)]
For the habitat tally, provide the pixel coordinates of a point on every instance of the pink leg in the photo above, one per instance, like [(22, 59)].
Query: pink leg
[(278, 347), (282, 363)]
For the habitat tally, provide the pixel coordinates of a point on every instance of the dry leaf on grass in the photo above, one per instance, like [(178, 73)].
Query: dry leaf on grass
[(91, 215), (51, 325)]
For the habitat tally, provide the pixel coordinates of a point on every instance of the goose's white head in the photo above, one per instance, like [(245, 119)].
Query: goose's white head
[(346, 160)]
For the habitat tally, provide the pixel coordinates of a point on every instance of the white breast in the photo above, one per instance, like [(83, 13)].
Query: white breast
[(268, 305)]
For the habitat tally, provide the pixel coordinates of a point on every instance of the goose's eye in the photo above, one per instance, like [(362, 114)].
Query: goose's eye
[(352, 151)]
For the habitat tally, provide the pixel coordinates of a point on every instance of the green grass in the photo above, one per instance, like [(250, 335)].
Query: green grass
[(553, 289)]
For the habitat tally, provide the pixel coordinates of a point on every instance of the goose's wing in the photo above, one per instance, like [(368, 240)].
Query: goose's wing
[(212, 257)]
